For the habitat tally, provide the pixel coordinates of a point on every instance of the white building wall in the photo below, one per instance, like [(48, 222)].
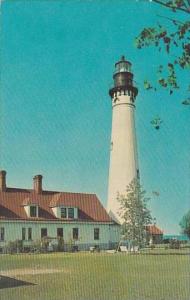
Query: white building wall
[(109, 233)]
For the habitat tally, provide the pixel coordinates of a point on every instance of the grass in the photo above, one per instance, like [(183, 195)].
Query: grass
[(101, 276)]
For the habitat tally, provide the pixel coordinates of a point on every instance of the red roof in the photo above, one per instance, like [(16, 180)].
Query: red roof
[(152, 229), (12, 204)]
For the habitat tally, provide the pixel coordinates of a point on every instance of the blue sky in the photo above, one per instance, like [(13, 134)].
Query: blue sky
[(57, 60)]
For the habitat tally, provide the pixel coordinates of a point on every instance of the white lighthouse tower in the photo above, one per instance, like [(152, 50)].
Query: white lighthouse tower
[(123, 152)]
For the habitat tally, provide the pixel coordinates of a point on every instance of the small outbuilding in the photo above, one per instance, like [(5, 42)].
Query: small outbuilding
[(154, 234)]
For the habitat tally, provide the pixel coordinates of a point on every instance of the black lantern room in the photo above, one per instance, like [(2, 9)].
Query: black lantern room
[(123, 78)]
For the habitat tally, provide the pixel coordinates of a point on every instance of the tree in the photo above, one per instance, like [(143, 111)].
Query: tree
[(134, 213), (185, 224), (175, 41), (60, 246)]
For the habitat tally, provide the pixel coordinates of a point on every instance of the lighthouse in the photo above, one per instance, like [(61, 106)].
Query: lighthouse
[(123, 149)]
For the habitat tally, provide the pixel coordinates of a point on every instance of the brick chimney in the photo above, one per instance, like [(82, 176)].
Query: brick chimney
[(37, 184), (2, 181)]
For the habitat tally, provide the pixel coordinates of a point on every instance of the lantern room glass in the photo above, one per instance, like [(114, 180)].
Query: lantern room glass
[(123, 66)]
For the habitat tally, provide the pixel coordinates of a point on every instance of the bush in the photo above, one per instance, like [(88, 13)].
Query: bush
[(14, 247), (174, 244), (44, 244), (69, 245), (60, 246), (36, 246), (152, 246)]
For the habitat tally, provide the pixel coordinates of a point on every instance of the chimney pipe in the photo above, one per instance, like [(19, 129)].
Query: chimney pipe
[(37, 184), (2, 181)]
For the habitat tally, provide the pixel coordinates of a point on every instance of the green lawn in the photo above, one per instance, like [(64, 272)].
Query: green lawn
[(90, 276)]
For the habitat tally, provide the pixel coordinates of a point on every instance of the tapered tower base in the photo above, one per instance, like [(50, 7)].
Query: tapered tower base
[(123, 151)]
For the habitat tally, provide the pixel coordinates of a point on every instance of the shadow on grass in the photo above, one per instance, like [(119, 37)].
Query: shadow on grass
[(166, 254), (9, 282)]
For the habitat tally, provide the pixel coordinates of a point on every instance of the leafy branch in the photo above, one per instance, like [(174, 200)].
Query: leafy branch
[(168, 40), (175, 5)]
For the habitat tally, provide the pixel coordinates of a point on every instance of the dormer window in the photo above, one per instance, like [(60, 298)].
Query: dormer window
[(31, 208), (63, 212), (33, 211), (71, 213)]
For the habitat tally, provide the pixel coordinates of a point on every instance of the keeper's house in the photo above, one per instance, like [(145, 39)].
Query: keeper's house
[(29, 215)]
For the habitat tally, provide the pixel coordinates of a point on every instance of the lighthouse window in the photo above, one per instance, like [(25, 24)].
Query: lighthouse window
[(123, 66)]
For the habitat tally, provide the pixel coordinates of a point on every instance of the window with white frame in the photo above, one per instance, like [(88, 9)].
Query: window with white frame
[(23, 234), (60, 232), (75, 233), (71, 213), (43, 232), (30, 234), (2, 233), (63, 212), (33, 211), (96, 233)]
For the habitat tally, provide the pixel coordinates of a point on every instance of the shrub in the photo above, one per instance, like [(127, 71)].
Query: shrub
[(44, 244), (14, 247), (152, 246), (174, 244), (60, 246), (70, 244), (36, 246)]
